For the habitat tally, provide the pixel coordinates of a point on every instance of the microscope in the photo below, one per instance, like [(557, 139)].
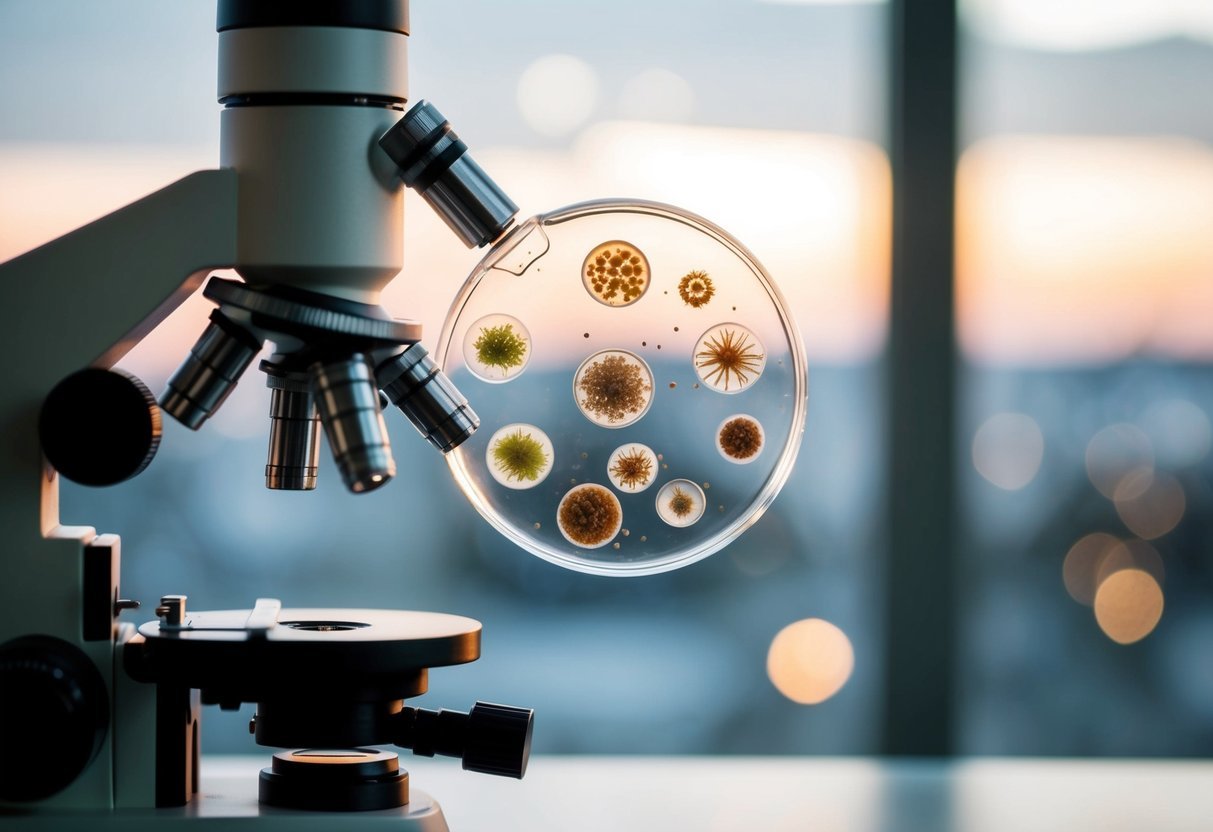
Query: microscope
[(642, 383), (100, 716)]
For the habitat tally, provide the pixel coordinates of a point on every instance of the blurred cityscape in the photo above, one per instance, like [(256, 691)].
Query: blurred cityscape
[(1085, 292)]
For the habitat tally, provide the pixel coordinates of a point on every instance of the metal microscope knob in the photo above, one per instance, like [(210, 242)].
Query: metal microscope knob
[(491, 739), (54, 714), (99, 427)]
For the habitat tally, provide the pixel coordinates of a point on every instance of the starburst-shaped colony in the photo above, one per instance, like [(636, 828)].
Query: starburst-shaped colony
[(729, 357), (696, 288), (633, 469)]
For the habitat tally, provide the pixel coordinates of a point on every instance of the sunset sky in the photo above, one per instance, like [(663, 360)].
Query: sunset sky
[(1072, 248)]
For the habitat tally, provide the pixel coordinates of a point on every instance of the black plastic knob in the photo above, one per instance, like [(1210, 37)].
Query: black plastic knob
[(99, 427), (499, 739), (54, 714), (491, 739)]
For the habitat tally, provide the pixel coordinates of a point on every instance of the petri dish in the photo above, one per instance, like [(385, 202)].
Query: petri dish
[(652, 391)]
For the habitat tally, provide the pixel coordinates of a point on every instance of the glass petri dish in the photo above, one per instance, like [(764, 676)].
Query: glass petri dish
[(658, 399)]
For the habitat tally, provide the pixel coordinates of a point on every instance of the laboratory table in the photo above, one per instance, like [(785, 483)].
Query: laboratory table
[(718, 794), (817, 794)]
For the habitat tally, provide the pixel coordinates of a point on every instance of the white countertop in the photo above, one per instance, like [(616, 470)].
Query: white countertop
[(639, 794)]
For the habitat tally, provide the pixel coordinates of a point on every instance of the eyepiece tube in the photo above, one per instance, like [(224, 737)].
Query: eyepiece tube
[(430, 400), (294, 450), (209, 374), (348, 403), (433, 161)]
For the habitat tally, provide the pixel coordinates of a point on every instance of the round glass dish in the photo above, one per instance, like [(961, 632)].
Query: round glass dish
[(702, 336)]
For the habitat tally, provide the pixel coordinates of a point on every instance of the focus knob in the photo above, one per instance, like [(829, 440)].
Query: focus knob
[(499, 739), (99, 427), (491, 739), (54, 713)]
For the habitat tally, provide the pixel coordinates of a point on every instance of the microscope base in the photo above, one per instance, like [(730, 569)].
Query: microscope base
[(228, 803)]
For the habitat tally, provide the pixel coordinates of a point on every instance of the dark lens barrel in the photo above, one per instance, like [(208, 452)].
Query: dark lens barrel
[(293, 460), (434, 162), (387, 15), (209, 374), (430, 400), (348, 403)]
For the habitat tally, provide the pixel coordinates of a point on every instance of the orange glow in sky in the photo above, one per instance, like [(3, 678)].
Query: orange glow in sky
[(1068, 249), (1084, 249)]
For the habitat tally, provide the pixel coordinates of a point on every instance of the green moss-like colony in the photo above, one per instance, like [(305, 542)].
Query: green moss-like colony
[(520, 456), (501, 347)]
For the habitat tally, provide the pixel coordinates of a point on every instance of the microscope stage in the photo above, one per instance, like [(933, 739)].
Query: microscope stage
[(224, 651)]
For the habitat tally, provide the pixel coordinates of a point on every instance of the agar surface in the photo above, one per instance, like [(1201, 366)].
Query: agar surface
[(501, 347), (696, 288), (633, 469), (614, 387), (740, 438), (617, 273), (729, 357), (520, 456), (589, 515)]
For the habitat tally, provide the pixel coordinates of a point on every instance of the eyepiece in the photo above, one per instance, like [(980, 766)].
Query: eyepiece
[(209, 374), (430, 400), (433, 161), (294, 450), (348, 403)]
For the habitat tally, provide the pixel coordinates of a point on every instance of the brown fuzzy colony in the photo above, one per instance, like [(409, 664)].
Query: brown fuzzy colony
[(617, 272), (729, 357), (589, 516), (696, 288), (633, 469), (681, 503), (613, 387), (741, 438)]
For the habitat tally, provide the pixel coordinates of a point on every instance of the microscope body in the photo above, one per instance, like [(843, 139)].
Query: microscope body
[(308, 209)]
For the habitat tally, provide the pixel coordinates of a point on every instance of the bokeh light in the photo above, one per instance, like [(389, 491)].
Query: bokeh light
[(657, 95), (1130, 554), (1116, 452), (1151, 503), (557, 94), (1081, 569), (1008, 449), (1128, 606), (810, 660)]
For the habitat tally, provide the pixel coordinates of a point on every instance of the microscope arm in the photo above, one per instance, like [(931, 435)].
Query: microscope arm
[(86, 299), (89, 296)]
